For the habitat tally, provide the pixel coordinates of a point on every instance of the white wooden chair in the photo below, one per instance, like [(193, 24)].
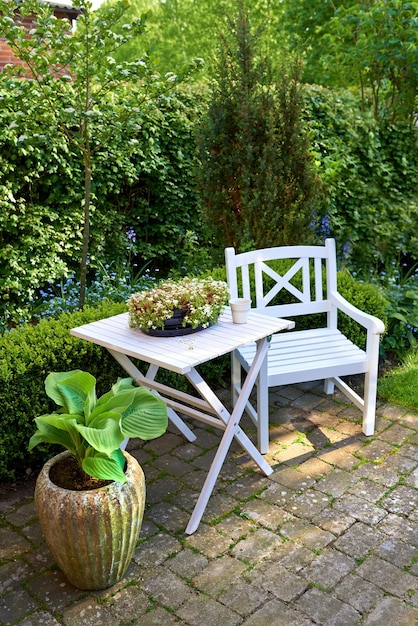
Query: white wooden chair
[(304, 355)]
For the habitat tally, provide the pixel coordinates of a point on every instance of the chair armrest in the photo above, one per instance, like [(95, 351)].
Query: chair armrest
[(370, 322)]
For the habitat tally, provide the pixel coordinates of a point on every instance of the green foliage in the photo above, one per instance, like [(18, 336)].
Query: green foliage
[(402, 293), (181, 30), (369, 173), (367, 297), (400, 385), (77, 78), (92, 428), (143, 192), (370, 46), (29, 353), (374, 44), (256, 179), (303, 25), (27, 356)]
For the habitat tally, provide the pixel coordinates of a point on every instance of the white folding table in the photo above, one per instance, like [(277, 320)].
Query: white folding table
[(182, 355)]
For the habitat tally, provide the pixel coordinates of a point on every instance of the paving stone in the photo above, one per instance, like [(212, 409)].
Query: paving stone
[(307, 534), (397, 552), (396, 434), (329, 568), (276, 579), (377, 450), (15, 605), (39, 558), (401, 528), (248, 486), (387, 609), (412, 479), (218, 575), (170, 464), (188, 451), (315, 468), (359, 540), (168, 516), (360, 509), (156, 550), (276, 613), (208, 541), (401, 500), (256, 546), (294, 480), (13, 573), (332, 541), (327, 610), (264, 513), (218, 506), (88, 613), (163, 445), (388, 577), (295, 453), (333, 521), (340, 458), (278, 494), (12, 544), (410, 451), (159, 489), (368, 490), (359, 593), (187, 563), (156, 617), (307, 401), (53, 588), (201, 611), (308, 504), (40, 618), (377, 473), (165, 587), (22, 515), (127, 604), (235, 527), (243, 598)]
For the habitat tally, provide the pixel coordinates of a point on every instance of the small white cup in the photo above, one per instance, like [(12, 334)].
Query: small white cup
[(240, 307)]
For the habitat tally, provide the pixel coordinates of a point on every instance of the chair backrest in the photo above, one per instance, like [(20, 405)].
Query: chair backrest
[(284, 281)]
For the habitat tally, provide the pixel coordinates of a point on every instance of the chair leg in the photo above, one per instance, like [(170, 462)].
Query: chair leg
[(369, 410), (329, 386)]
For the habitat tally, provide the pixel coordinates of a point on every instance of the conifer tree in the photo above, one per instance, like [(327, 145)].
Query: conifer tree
[(256, 179)]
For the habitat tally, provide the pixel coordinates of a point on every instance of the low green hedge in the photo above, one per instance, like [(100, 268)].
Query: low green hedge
[(29, 353)]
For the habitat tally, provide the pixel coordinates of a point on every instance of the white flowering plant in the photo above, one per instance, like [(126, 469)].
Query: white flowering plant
[(200, 301)]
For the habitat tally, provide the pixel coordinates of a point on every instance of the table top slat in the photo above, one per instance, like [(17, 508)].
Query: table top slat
[(179, 354)]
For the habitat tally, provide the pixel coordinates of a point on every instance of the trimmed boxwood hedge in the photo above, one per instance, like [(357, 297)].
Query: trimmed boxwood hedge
[(28, 354)]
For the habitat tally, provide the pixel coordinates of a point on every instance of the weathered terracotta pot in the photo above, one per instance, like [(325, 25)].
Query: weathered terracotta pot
[(92, 534)]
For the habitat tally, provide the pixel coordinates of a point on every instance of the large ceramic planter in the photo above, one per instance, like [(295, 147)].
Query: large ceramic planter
[(92, 534)]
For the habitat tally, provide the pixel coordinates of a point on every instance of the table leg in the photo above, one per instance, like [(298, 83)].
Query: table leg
[(134, 372), (232, 430)]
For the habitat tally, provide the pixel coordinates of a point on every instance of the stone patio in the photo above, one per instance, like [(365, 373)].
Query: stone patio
[(330, 538)]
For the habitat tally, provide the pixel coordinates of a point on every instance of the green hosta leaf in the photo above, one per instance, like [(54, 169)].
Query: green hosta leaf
[(75, 390), (106, 436), (114, 403), (57, 429), (106, 467), (146, 417)]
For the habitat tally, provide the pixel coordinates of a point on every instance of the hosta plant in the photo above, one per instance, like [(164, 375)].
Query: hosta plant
[(92, 428)]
